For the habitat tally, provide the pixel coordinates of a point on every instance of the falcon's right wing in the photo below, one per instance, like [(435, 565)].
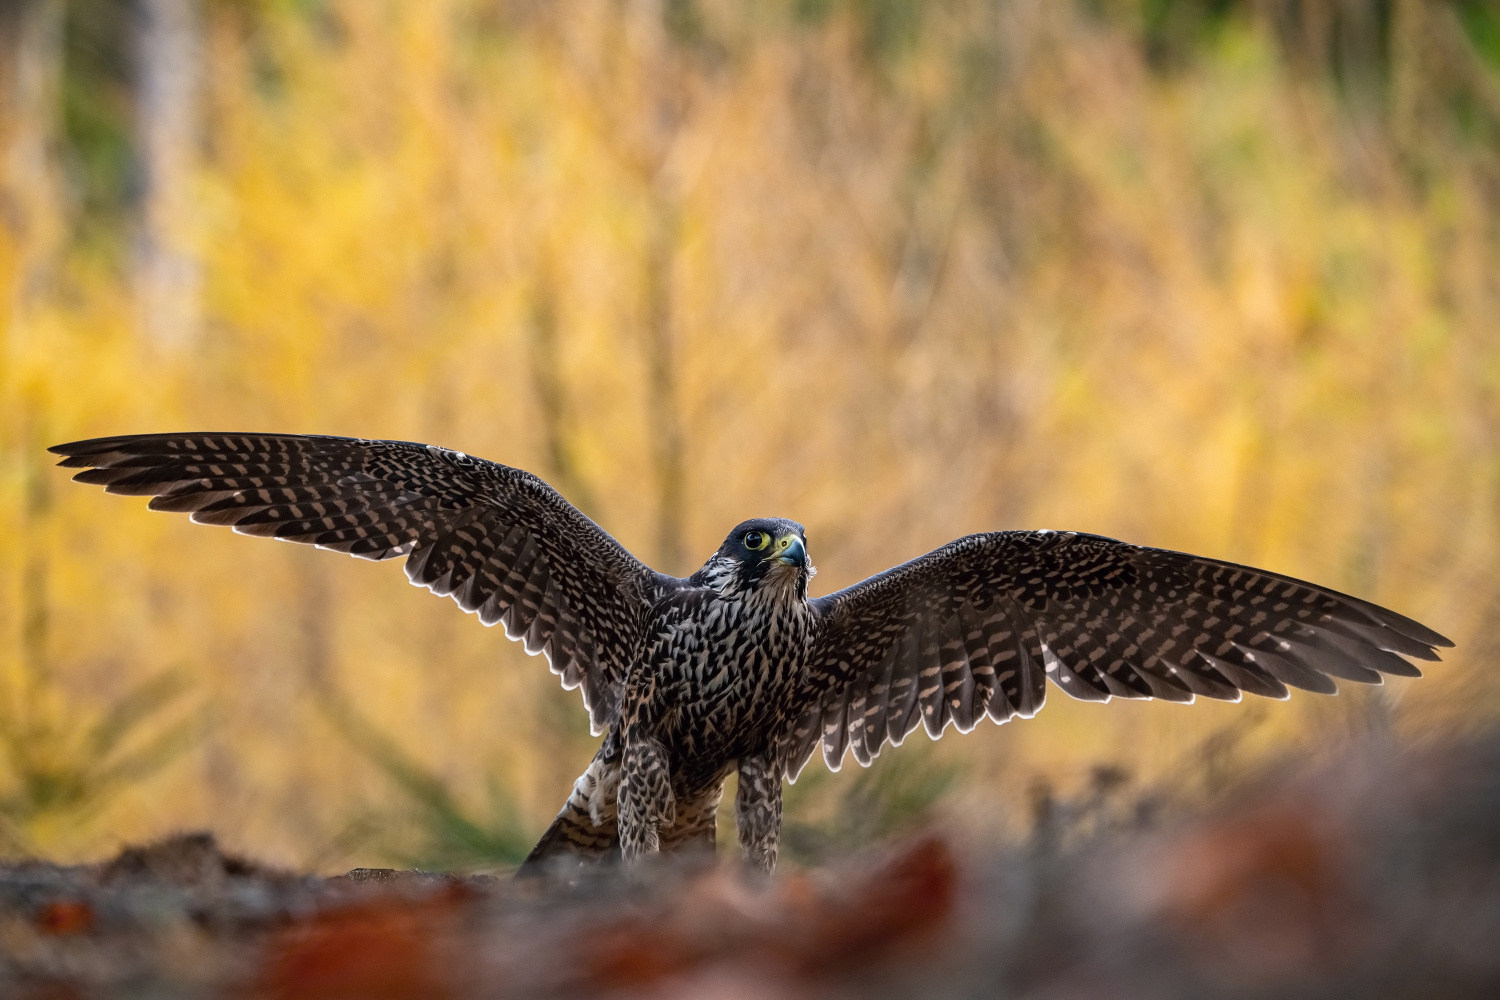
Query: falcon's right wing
[(500, 541), (977, 627)]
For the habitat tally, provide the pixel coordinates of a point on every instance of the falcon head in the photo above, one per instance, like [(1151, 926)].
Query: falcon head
[(766, 552)]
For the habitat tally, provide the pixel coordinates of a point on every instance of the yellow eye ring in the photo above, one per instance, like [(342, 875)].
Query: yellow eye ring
[(756, 540)]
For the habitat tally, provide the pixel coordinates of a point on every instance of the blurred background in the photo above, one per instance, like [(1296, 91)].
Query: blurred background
[(1215, 275)]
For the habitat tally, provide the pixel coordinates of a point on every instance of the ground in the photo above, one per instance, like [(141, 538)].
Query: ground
[(1374, 874)]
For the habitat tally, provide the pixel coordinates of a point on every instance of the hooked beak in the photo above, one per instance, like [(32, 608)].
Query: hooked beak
[(790, 552)]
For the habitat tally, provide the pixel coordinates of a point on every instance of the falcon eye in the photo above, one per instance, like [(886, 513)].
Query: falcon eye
[(756, 540)]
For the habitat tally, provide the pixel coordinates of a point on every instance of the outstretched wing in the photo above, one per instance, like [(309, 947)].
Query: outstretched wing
[(500, 541), (977, 626)]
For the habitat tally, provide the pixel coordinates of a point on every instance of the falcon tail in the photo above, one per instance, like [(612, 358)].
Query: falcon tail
[(573, 835)]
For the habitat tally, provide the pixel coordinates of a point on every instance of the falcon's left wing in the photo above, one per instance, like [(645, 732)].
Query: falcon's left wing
[(977, 626)]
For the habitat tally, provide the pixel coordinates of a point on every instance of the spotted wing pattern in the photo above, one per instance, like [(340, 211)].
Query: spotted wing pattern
[(976, 627), (501, 542)]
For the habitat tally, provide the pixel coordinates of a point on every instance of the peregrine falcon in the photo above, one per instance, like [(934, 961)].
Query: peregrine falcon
[(735, 668)]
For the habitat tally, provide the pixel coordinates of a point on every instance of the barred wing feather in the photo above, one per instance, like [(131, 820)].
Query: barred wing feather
[(978, 626), (499, 541)]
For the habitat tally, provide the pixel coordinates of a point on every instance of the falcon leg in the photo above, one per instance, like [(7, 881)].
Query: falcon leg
[(757, 813), (646, 803)]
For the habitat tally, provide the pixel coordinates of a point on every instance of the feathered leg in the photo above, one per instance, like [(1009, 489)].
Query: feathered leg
[(646, 802), (757, 811)]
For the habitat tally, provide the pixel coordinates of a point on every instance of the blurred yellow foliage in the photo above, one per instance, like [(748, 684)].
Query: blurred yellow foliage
[(1011, 275)]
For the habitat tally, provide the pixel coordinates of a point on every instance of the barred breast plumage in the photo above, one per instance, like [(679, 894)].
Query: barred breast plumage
[(734, 668)]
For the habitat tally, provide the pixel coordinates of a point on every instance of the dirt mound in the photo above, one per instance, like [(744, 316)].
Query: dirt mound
[(1376, 876)]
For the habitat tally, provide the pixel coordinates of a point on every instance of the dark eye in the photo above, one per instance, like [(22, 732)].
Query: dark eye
[(756, 540)]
